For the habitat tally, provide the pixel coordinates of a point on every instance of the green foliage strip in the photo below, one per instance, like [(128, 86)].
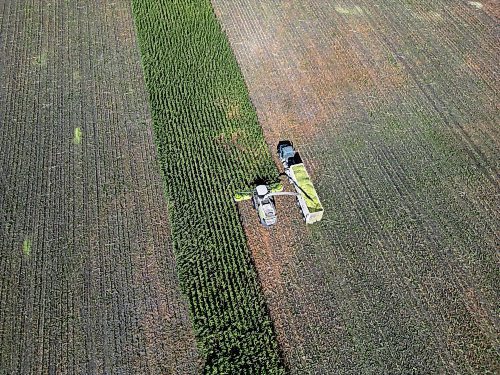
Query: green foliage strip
[(210, 145)]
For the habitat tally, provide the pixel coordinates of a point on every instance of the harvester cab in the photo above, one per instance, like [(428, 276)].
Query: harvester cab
[(263, 202), (285, 150)]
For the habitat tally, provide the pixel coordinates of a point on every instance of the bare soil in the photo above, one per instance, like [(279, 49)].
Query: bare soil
[(394, 108), (87, 272)]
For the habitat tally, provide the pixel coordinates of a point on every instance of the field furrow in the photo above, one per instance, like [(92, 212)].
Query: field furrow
[(87, 270), (393, 107)]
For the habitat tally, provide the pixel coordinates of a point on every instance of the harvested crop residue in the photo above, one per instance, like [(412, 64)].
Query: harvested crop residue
[(274, 254), (304, 69), (396, 106), (354, 10), (475, 4), (158, 318), (118, 14)]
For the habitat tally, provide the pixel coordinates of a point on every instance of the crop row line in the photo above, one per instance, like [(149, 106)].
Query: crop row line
[(209, 144)]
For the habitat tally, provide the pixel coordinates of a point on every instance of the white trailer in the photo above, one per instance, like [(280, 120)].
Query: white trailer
[(307, 197)]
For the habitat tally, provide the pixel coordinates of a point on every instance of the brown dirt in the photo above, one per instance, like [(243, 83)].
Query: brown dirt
[(492, 7), (358, 88), (273, 252), (296, 92), (272, 249), (98, 292)]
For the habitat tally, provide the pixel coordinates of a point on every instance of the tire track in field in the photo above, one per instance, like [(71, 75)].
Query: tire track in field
[(455, 38), (481, 45), (493, 141), (464, 282), (453, 45), (367, 120), (465, 12), (385, 238), (459, 30), (345, 178), (351, 262), (482, 202), (419, 17), (401, 177), (485, 58), (435, 101), (386, 98)]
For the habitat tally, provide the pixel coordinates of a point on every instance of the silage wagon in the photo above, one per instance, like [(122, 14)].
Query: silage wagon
[(307, 197)]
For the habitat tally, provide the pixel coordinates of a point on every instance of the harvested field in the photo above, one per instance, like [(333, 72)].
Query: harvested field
[(394, 107), (87, 273)]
